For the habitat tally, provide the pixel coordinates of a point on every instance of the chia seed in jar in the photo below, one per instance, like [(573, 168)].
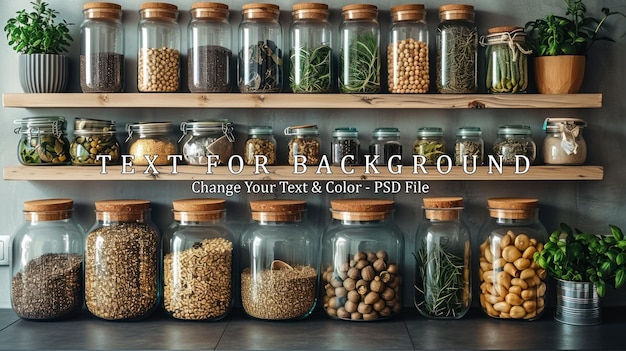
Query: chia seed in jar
[(345, 143)]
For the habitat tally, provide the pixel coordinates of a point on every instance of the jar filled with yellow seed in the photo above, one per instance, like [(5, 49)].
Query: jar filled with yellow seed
[(151, 143), (94, 143)]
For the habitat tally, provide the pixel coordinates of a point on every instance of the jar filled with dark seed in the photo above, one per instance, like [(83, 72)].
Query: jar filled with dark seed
[(260, 146), (345, 145), (206, 142), (102, 48), (515, 145), (42, 141), (469, 148), (386, 145), (94, 142), (430, 145), (304, 145), (47, 261), (151, 143)]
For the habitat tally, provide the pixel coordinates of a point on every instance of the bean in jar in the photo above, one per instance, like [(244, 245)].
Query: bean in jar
[(93, 138)]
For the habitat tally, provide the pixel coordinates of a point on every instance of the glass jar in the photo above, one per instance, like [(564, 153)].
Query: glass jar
[(442, 260), (203, 139), (279, 261), (198, 261), (304, 145), (386, 144), (102, 48), (469, 148), (158, 60), (94, 138), (359, 58), (362, 255), (514, 142), (47, 262), (345, 144), (42, 141), (507, 60), (122, 278), (564, 143), (457, 50), (151, 143), (512, 286), (260, 63), (311, 49), (431, 145), (209, 54), (260, 146), (407, 52)]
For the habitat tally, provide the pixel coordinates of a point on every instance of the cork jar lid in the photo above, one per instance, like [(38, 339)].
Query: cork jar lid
[(361, 209), (121, 210), (102, 10), (503, 29), (359, 12), (261, 11), (209, 10), (277, 210), (48, 209), (512, 207), (198, 210), (443, 208), (159, 10), (408, 12), (456, 12), (310, 10)]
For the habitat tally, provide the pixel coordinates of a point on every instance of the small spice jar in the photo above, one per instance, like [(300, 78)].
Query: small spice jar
[(507, 60), (457, 50), (362, 254), (209, 54), (304, 145), (94, 141), (442, 260), (102, 48), (158, 61), (359, 57), (345, 146), (151, 141), (47, 261), (42, 141), (564, 143), (407, 52), (198, 261), (122, 261), (310, 57), (469, 147), (513, 143), (279, 261), (430, 145), (206, 141), (260, 62), (512, 285), (386, 145), (260, 146)]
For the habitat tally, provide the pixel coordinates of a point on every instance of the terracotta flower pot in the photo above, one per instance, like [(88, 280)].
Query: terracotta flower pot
[(561, 74), (43, 73)]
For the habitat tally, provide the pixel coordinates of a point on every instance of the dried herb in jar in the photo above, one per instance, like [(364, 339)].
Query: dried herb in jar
[(264, 61), (362, 71), (310, 70)]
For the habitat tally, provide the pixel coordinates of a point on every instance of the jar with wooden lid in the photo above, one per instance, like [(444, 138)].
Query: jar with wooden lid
[(47, 261), (94, 142), (279, 261), (198, 261), (122, 274), (507, 60), (204, 142), (304, 144), (151, 143), (512, 285), (43, 141), (362, 257), (442, 260), (564, 143)]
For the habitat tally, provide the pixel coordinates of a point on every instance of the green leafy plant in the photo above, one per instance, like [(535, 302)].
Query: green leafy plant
[(38, 32), (580, 256)]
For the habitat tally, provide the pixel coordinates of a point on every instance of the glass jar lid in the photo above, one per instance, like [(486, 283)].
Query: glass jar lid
[(386, 132), (361, 209), (158, 10), (469, 132), (88, 125), (209, 10), (310, 10), (456, 12), (512, 207), (430, 132), (35, 125), (260, 130), (102, 10), (408, 12), (220, 126), (308, 129), (348, 132), (121, 210), (555, 124), (514, 130), (277, 210), (443, 208), (359, 12), (198, 210), (48, 209)]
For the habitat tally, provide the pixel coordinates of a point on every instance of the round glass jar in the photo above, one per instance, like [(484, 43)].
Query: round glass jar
[(431, 145), (457, 50), (514, 142), (158, 59), (304, 145), (93, 138), (345, 144), (102, 48), (151, 141), (202, 139), (362, 255), (279, 261), (469, 148), (507, 60), (122, 279), (442, 260), (359, 56), (42, 141), (47, 262), (564, 143), (198, 261), (408, 70), (310, 56), (209, 54), (512, 286), (386, 144), (260, 146), (260, 63)]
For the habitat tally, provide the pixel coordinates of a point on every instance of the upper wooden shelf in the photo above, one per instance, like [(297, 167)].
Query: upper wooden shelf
[(297, 101)]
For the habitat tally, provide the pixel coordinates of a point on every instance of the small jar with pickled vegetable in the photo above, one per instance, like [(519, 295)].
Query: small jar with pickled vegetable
[(507, 60), (42, 141), (515, 144), (94, 142), (430, 145)]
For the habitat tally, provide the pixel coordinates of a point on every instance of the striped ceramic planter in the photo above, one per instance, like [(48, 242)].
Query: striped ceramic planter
[(43, 73)]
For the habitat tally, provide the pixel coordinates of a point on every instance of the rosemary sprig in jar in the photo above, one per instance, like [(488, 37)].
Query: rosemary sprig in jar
[(310, 70), (361, 74), (456, 61)]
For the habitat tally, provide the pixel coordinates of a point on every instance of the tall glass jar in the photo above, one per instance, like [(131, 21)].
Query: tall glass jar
[(279, 261), (345, 144), (564, 143), (102, 48), (408, 70), (457, 50), (513, 143), (122, 275), (469, 148), (47, 261), (311, 54), (151, 143), (198, 261), (386, 144), (431, 145), (507, 60), (93, 140), (260, 146), (512, 286), (442, 260), (42, 141), (203, 139), (209, 55), (359, 57), (158, 60), (260, 63), (362, 255), (304, 145)]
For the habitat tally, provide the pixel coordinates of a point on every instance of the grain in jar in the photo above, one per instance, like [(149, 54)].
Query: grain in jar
[(206, 141), (42, 141), (564, 143), (94, 142), (260, 146), (304, 144), (151, 143)]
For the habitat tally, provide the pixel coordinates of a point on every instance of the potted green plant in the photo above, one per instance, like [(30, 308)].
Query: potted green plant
[(560, 44), (41, 41)]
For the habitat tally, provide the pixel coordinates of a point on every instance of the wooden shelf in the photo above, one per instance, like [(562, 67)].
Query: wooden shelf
[(298, 101)]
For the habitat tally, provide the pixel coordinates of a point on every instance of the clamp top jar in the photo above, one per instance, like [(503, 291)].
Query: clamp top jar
[(42, 141), (94, 142), (564, 143), (304, 145), (513, 143), (151, 143), (203, 139)]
